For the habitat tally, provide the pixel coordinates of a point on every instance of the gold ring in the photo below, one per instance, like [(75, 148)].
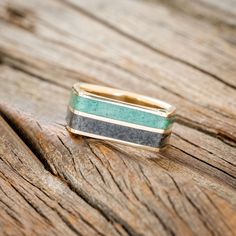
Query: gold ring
[(121, 116)]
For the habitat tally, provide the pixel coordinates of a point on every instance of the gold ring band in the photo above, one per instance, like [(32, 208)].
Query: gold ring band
[(121, 116)]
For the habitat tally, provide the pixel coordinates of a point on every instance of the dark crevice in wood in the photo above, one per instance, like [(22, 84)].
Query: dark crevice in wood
[(172, 203), (66, 147), (84, 178), (5, 180), (147, 180), (8, 206), (118, 185), (231, 179), (175, 183), (64, 219), (145, 207), (37, 209), (77, 170), (84, 220), (15, 154), (27, 141), (198, 210), (40, 127), (69, 151), (37, 187), (197, 146), (167, 209), (154, 213), (119, 229), (104, 210), (143, 43), (231, 141), (227, 141), (108, 170), (218, 210), (11, 215), (98, 171)]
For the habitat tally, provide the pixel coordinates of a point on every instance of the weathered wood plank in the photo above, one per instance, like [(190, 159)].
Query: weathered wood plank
[(34, 202), (144, 196)]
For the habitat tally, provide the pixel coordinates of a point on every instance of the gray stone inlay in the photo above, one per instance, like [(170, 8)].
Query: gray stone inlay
[(115, 131)]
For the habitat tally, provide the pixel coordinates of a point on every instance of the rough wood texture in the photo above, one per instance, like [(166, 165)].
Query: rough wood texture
[(55, 183)]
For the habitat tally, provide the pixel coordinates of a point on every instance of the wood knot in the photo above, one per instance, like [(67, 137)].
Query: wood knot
[(20, 17)]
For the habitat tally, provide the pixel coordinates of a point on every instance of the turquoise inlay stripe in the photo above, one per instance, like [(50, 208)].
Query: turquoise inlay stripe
[(119, 112)]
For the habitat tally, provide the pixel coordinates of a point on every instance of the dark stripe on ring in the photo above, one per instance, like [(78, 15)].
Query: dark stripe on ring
[(128, 134)]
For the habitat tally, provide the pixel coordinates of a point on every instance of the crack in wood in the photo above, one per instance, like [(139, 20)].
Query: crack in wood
[(27, 141), (202, 148), (200, 213), (231, 141), (231, 179)]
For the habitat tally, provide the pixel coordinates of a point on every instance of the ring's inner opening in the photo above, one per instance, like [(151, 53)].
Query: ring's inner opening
[(121, 96)]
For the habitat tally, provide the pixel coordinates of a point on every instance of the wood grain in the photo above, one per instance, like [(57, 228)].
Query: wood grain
[(33, 201), (54, 183)]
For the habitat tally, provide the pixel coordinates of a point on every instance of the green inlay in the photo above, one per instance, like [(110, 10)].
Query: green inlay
[(119, 112)]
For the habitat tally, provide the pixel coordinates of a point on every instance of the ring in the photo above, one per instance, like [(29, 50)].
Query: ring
[(116, 115)]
